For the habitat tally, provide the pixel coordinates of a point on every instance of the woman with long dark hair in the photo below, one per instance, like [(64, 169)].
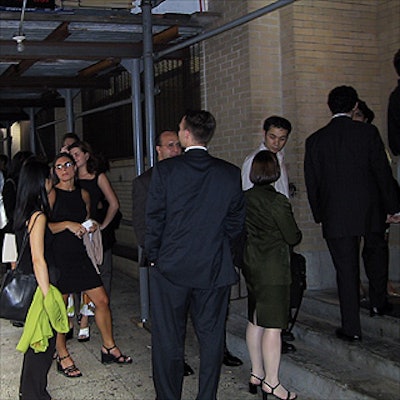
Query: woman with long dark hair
[(104, 206), (31, 212), (70, 207), (104, 203)]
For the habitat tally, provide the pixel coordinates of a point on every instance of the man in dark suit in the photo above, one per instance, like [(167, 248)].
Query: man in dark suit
[(195, 209), (351, 189), (167, 146), (393, 115)]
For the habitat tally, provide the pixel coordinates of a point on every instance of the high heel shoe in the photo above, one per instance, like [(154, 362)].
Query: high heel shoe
[(84, 334), (108, 358), (266, 394), (253, 386), (70, 371)]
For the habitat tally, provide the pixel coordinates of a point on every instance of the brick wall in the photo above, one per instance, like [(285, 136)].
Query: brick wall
[(296, 55)]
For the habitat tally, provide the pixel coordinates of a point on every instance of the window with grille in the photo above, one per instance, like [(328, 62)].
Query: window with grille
[(177, 88)]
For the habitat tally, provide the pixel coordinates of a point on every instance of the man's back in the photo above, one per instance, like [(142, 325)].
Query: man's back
[(347, 177), (203, 210), (394, 121)]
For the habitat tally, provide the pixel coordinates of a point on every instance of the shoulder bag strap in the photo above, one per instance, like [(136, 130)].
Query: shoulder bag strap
[(25, 240)]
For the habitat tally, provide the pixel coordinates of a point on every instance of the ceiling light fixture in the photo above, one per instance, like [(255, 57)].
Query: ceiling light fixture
[(20, 36), (20, 42)]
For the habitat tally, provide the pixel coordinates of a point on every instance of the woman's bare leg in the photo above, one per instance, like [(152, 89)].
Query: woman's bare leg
[(63, 355), (271, 349), (254, 335)]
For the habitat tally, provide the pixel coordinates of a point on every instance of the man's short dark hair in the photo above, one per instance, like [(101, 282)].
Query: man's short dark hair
[(277, 122), (265, 168), (342, 99), (396, 62), (201, 124), (366, 111)]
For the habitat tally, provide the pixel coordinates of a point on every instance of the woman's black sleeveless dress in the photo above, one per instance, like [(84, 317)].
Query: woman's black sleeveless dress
[(26, 264), (77, 272)]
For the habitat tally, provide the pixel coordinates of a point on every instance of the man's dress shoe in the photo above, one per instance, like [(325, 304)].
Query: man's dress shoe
[(287, 347), (187, 370), (230, 360), (387, 308), (347, 338)]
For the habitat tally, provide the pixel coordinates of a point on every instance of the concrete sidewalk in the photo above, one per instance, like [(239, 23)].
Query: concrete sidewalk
[(122, 382)]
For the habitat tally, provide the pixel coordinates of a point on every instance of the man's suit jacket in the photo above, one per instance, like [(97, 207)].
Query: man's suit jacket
[(140, 188), (349, 182), (195, 207), (393, 118)]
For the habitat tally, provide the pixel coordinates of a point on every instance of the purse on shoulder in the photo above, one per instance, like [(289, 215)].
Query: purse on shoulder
[(17, 290)]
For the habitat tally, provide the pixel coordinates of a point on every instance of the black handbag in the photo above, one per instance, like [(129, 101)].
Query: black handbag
[(17, 290)]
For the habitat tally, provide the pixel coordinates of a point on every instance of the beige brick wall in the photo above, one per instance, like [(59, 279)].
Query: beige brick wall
[(225, 88), (296, 55)]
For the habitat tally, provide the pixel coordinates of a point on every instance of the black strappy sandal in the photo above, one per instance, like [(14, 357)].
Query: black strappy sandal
[(266, 394), (253, 386), (108, 358), (69, 371)]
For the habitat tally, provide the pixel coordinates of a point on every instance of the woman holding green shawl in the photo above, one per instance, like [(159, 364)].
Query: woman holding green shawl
[(38, 340)]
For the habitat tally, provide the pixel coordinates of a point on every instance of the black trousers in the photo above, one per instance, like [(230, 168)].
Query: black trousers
[(376, 262), (33, 384), (345, 254), (170, 305)]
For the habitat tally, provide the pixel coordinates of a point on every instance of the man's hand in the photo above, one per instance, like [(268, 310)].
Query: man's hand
[(393, 219)]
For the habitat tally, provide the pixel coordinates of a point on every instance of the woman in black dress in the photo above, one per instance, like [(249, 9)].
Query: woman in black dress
[(31, 212), (104, 206), (70, 208)]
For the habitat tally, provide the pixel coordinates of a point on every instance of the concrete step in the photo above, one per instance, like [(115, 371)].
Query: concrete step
[(380, 356), (325, 304), (322, 376)]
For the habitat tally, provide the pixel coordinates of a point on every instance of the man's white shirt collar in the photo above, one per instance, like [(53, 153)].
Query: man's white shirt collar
[(341, 115), (195, 147)]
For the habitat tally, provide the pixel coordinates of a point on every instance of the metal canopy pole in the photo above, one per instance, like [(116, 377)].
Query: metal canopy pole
[(9, 140), (134, 69), (133, 66), (223, 28), (138, 152), (69, 109), (137, 117), (148, 64), (32, 130)]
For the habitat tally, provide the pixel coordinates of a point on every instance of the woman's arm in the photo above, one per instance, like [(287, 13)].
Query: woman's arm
[(86, 199), (111, 197), (36, 240), (284, 218)]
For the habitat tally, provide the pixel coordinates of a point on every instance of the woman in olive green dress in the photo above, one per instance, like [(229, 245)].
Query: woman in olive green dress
[(271, 230)]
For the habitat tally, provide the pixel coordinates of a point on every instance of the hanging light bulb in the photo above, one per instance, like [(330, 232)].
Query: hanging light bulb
[(19, 38)]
